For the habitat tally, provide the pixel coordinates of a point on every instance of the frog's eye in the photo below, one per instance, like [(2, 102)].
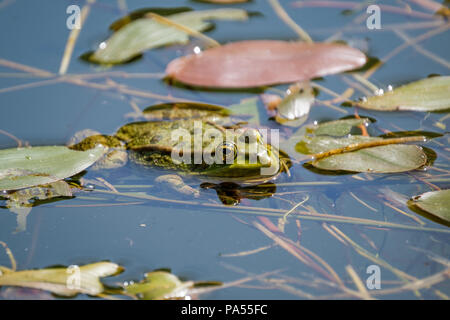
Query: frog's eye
[(228, 150), (250, 136)]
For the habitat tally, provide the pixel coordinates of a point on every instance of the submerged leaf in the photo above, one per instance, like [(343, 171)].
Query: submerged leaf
[(256, 63), (28, 167), (63, 281), (160, 285), (436, 203), (430, 94), (143, 34)]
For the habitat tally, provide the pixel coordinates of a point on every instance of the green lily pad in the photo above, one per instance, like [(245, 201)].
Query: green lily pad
[(430, 94), (436, 203), (160, 285), (63, 281), (337, 128), (28, 167), (143, 34)]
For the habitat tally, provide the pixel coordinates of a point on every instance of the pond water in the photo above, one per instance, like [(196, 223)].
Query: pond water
[(201, 239)]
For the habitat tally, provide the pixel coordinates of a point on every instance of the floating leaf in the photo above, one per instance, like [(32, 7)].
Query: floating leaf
[(160, 285), (319, 144), (63, 281), (337, 128), (430, 94), (140, 13), (144, 34), (293, 110), (382, 159), (248, 107), (436, 203), (256, 63), (378, 159), (28, 167)]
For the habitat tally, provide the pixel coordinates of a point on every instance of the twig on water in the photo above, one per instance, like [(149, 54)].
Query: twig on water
[(73, 36)]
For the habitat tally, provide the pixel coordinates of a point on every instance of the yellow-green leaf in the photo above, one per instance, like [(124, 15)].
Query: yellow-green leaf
[(337, 128), (436, 203), (382, 159), (145, 33), (430, 94), (160, 285), (63, 281), (28, 167)]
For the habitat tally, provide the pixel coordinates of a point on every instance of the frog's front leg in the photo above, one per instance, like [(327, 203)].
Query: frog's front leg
[(115, 157), (175, 182)]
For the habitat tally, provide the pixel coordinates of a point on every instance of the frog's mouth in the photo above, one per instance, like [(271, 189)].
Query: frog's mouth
[(245, 172)]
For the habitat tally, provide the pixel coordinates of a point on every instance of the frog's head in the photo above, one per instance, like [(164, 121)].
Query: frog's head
[(243, 156)]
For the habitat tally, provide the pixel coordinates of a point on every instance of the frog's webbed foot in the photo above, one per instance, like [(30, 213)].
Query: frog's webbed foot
[(175, 182), (115, 157), (231, 193)]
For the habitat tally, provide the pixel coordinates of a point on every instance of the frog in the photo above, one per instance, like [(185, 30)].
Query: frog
[(196, 140)]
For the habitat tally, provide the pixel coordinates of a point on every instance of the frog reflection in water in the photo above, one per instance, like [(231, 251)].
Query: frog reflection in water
[(236, 163)]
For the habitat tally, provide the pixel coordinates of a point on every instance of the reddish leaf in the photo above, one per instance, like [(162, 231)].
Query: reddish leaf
[(263, 62)]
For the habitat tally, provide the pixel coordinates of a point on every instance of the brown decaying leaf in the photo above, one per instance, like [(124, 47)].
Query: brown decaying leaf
[(254, 63)]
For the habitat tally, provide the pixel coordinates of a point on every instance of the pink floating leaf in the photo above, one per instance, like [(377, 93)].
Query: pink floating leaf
[(256, 63)]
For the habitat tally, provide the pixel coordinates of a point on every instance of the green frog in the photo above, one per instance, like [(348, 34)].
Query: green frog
[(196, 140)]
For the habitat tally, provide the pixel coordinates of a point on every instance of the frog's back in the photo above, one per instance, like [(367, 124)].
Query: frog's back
[(151, 142), (184, 110)]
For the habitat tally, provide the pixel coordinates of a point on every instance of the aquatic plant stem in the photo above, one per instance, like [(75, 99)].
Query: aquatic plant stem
[(358, 282), (189, 31), (355, 6), (289, 248), (80, 82), (422, 50), (357, 146), (294, 207), (288, 20), (13, 137), (279, 212), (73, 36), (10, 256)]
